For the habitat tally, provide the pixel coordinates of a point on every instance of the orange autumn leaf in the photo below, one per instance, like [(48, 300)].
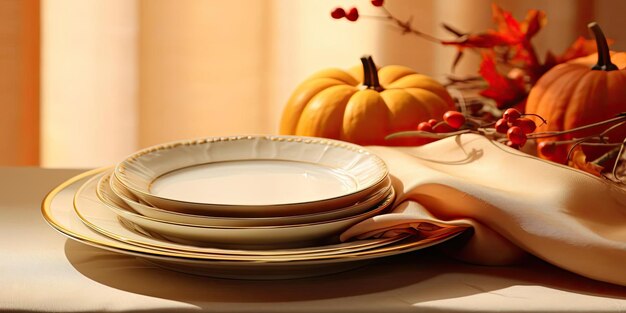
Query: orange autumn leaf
[(517, 31), (578, 160), (506, 24), (535, 20), (508, 30), (506, 92)]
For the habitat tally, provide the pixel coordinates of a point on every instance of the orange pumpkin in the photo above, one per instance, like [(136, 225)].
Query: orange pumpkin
[(579, 93), (364, 105)]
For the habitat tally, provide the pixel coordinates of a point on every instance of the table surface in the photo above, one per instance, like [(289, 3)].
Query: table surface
[(40, 270)]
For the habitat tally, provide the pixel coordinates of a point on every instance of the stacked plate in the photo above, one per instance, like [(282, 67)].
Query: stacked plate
[(248, 206)]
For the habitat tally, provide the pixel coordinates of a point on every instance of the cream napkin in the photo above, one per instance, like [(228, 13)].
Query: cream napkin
[(513, 203)]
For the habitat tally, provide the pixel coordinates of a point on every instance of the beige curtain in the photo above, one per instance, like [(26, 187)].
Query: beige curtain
[(119, 75), (89, 82), (203, 69)]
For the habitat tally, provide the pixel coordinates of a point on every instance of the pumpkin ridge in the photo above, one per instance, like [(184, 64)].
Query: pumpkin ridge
[(562, 90), (545, 86), (422, 81), (539, 106), (586, 88), (362, 108), (299, 100), (323, 117), (443, 106), (623, 72), (407, 114), (567, 97), (390, 74), (612, 105), (621, 106), (616, 92)]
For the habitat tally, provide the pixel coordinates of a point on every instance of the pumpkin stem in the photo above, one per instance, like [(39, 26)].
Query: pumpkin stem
[(375, 82), (370, 74), (604, 55), (367, 72)]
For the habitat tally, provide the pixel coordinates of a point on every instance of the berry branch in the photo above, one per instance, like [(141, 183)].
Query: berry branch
[(510, 65), (405, 27), (514, 129)]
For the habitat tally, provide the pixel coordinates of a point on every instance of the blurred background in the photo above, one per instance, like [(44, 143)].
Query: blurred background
[(84, 83)]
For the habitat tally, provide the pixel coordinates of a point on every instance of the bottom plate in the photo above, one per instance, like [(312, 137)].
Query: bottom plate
[(57, 209)]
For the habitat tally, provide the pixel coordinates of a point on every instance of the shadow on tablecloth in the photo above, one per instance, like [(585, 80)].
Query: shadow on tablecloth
[(421, 276)]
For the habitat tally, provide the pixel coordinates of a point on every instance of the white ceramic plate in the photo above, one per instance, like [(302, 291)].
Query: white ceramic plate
[(159, 242), (103, 218), (111, 193), (252, 176), (57, 209)]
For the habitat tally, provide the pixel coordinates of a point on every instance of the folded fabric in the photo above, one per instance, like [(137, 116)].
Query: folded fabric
[(511, 202)]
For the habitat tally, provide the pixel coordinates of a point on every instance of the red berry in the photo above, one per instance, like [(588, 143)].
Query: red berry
[(502, 126), (516, 135), (352, 15), (511, 114), (512, 145), (454, 118), (425, 127), (338, 13), (547, 148), (432, 122), (378, 3), (526, 124)]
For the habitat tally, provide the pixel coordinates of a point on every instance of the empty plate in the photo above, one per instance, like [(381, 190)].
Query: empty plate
[(252, 176)]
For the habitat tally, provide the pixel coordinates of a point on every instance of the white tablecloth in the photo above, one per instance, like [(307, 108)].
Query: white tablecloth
[(40, 270)]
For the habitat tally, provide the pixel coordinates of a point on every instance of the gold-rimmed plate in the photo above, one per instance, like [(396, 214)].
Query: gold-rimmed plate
[(57, 210), (252, 176), (104, 218), (111, 193)]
